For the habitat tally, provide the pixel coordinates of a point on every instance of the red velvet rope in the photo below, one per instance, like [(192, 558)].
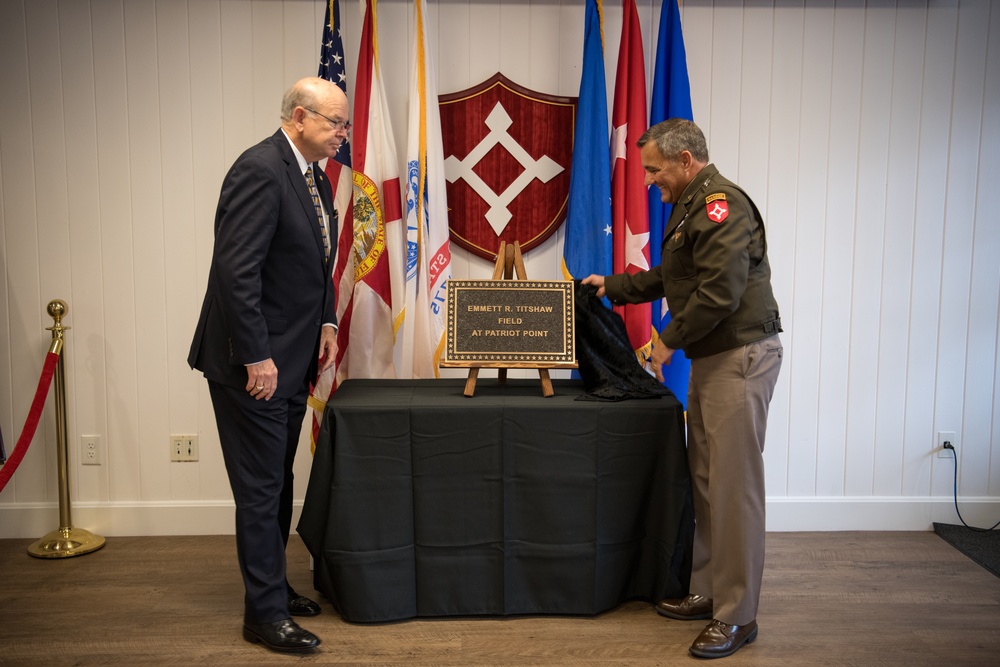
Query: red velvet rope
[(31, 423)]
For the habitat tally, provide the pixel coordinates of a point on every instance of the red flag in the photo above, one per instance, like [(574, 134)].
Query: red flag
[(629, 205)]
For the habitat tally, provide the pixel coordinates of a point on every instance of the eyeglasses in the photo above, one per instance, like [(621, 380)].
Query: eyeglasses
[(336, 124)]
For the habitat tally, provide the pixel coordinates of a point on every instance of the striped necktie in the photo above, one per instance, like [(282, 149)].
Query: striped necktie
[(319, 213)]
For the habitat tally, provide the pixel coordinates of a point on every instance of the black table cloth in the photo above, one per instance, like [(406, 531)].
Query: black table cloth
[(424, 502)]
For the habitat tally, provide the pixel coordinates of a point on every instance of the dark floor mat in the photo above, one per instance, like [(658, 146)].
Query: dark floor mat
[(981, 546)]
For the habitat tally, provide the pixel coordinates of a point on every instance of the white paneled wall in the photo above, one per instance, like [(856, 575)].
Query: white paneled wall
[(868, 133)]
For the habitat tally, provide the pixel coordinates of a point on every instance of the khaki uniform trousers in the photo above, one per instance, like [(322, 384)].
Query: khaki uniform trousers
[(728, 398)]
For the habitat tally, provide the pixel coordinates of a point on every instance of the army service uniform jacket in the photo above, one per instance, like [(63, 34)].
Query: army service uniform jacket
[(714, 272)]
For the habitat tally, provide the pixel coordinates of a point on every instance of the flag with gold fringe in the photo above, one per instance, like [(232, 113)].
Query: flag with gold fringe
[(367, 333), (428, 258), (587, 245), (671, 98), (332, 67), (629, 197)]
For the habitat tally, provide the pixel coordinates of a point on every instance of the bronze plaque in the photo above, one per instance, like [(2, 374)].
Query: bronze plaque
[(519, 322)]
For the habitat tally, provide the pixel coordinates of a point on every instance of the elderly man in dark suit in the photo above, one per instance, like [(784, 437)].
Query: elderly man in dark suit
[(267, 326)]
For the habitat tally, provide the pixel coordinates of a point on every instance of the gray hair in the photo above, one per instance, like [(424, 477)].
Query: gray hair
[(674, 136), (299, 95)]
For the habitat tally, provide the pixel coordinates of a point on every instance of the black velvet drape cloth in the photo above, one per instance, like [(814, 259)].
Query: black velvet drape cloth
[(608, 365)]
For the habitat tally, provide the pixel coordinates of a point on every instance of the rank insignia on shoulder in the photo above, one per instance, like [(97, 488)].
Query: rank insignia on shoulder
[(716, 207)]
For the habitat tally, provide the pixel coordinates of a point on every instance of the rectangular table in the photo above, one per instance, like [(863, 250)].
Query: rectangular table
[(423, 502)]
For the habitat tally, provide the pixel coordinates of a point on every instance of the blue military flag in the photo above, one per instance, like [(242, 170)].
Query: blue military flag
[(587, 248), (671, 99)]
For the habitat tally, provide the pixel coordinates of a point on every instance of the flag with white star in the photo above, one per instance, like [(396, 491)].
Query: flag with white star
[(629, 198), (338, 169), (332, 66)]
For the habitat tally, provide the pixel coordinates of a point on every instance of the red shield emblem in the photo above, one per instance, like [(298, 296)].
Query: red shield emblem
[(507, 155), (717, 207)]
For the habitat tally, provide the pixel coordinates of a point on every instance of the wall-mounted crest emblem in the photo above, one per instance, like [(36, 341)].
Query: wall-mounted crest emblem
[(507, 158)]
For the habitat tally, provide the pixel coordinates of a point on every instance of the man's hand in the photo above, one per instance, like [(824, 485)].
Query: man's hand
[(660, 357), (262, 379), (594, 279), (327, 348)]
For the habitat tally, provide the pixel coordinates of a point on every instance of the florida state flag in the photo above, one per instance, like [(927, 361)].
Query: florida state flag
[(507, 158), (366, 335)]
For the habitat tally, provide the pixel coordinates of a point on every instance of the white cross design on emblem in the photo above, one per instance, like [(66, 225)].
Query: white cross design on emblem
[(716, 212), (544, 169)]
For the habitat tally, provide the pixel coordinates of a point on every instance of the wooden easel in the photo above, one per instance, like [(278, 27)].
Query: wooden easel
[(509, 261)]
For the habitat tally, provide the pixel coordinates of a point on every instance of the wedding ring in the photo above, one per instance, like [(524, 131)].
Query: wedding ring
[(259, 387)]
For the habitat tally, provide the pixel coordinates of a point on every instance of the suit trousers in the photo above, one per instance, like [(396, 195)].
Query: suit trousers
[(259, 439), (728, 398)]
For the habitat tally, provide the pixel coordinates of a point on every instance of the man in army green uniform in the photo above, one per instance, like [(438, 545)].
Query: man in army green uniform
[(717, 282)]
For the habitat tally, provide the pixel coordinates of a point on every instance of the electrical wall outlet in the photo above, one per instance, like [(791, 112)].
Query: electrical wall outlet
[(91, 452), (183, 448), (949, 437)]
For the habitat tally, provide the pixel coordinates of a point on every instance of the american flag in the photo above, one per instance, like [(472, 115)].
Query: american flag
[(332, 66), (338, 169)]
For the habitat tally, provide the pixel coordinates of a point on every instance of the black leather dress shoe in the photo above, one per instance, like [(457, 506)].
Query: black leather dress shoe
[(718, 640), (691, 608), (284, 636), (299, 605)]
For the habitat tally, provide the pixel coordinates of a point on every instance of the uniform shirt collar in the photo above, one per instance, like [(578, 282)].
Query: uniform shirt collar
[(697, 183)]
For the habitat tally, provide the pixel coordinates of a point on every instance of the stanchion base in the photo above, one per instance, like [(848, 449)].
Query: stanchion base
[(66, 542)]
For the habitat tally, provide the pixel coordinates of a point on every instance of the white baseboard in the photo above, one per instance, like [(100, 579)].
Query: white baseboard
[(877, 513), (34, 520)]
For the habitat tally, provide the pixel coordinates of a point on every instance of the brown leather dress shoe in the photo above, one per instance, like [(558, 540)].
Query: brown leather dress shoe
[(691, 608), (718, 640), (284, 636)]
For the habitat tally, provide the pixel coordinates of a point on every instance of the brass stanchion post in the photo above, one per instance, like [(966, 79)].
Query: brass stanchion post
[(66, 540)]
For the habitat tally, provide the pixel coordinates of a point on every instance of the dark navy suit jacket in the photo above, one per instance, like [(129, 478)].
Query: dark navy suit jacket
[(269, 292)]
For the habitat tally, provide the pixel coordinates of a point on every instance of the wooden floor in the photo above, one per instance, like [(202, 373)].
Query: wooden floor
[(843, 599)]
